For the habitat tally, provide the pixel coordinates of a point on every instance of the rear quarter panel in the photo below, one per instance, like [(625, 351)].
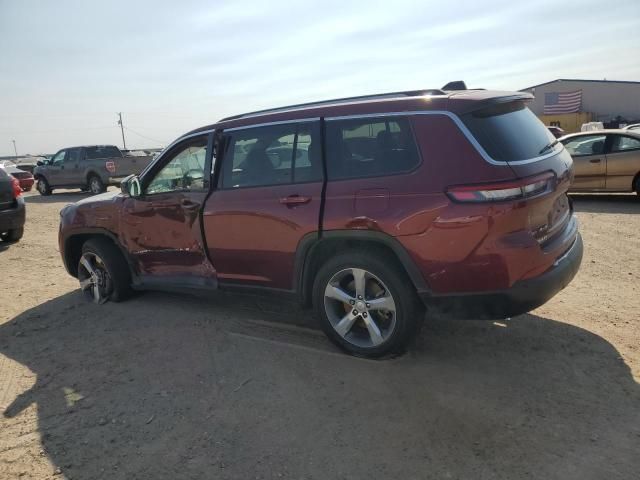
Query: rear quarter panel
[(622, 168)]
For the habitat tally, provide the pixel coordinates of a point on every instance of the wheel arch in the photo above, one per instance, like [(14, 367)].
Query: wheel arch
[(635, 185), (313, 249), (72, 247), (92, 173)]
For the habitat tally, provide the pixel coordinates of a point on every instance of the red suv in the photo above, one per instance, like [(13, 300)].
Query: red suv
[(367, 208)]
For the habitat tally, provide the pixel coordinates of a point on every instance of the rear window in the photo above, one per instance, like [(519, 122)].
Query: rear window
[(509, 132), (370, 147), (102, 152)]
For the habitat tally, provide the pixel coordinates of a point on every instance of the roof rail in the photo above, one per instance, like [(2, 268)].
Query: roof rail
[(409, 93)]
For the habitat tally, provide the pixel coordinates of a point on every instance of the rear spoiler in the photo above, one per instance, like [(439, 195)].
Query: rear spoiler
[(498, 100)]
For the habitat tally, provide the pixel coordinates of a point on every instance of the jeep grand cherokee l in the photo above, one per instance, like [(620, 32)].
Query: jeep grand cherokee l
[(367, 208)]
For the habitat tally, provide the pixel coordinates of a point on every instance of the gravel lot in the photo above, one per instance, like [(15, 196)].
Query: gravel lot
[(241, 386)]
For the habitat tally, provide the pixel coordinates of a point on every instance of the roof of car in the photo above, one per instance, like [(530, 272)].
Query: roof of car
[(455, 101), (89, 146)]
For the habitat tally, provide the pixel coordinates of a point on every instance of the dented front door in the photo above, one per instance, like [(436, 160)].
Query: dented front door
[(161, 228)]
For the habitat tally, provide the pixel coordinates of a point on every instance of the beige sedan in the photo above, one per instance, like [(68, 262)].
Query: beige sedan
[(605, 160)]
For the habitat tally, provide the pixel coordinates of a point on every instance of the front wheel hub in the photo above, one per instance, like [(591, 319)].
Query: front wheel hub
[(94, 278)]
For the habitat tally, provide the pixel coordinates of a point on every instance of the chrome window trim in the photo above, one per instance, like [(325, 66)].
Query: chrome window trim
[(463, 128), (268, 124), (335, 103)]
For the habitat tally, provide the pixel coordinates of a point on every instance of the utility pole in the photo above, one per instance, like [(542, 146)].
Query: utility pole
[(15, 149), (122, 129)]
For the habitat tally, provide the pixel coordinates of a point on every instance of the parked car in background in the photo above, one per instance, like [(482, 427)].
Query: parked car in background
[(591, 126), (633, 126), (367, 208), (92, 167), (605, 161), (12, 208), (24, 178), (556, 131)]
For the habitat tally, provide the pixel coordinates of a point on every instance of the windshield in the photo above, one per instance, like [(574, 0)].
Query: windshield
[(509, 132)]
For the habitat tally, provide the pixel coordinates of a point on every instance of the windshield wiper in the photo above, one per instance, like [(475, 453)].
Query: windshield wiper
[(548, 147)]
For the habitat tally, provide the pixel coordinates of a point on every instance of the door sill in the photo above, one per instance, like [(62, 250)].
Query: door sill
[(175, 283)]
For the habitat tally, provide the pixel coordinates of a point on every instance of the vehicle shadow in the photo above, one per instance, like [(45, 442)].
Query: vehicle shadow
[(168, 386), (605, 203)]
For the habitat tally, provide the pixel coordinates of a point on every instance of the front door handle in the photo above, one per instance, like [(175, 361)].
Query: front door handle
[(594, 160), (294, 200), (189, 205)]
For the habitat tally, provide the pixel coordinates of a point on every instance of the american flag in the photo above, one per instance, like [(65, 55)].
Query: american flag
[(564, 102)]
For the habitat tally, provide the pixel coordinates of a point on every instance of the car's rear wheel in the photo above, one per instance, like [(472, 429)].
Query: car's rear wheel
[(366, 304), (102, 272), (43, 186), (95, 185), (12, 235)]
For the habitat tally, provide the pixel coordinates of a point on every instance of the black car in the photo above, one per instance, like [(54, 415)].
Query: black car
[(12, 209)]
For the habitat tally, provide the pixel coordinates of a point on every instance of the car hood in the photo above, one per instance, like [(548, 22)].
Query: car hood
[(103, 198)]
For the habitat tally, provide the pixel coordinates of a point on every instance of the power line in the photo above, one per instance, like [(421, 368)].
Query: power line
[(144, 136)]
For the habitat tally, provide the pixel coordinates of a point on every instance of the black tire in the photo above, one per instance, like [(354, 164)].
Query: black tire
[(12, 235), (116, 267), (409, 310), (95, 185), (43, 187), (637, 184)]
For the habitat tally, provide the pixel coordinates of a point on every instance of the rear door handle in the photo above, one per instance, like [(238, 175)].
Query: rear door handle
[(594, 160), (293, 200)]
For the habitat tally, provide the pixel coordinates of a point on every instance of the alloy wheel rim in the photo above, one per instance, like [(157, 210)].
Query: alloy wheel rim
[(94, 278), (95, 186), (41, 187), (360, 307)]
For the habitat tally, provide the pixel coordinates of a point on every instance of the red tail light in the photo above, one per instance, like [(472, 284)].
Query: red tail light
[(110, 166), (501, 191), (17, 191)]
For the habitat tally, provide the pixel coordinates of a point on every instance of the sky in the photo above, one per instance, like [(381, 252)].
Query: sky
[(68, 67)]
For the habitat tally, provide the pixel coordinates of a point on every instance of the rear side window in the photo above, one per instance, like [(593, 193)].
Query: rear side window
[(101, 152), (622, 143), (370, 147), (509, 132), (272, 155)]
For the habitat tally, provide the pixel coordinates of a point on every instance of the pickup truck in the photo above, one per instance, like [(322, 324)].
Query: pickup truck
[(91, 167)]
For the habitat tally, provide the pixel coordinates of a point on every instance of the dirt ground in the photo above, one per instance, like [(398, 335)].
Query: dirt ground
[(243, 387)]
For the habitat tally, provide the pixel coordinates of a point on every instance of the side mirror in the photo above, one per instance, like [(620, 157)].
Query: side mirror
[(130, 186), (39, 163)]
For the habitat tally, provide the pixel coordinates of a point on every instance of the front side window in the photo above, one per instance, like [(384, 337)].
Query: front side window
[(185, 170), (623, 143), (585, 145), (72, 155), (272, 155), (58, 159), (370, 147)]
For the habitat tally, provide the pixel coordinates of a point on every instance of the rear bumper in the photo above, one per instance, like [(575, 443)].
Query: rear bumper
[(13, 217), (522, 297)]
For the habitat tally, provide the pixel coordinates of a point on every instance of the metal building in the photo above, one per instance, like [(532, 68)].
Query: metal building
[(568, 103)]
